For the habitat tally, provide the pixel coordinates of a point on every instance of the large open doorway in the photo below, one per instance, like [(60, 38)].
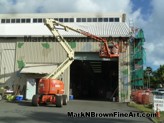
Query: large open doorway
[(94, 80)]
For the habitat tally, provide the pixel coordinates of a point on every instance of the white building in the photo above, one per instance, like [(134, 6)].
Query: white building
[(28, 52)]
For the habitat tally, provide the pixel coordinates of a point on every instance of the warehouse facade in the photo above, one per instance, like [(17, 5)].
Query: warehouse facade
[(29, 52)]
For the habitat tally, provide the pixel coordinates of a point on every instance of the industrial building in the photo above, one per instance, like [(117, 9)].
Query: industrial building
[(28, 52)]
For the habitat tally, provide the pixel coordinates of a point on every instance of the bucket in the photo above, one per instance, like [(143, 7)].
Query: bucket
[(145, 98), (19, 98), (138, 96), (70, 97)]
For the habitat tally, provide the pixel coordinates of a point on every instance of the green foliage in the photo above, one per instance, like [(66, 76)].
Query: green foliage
[(10, 98), (147, 109), (156, 77), (160, 74), (143, 108)]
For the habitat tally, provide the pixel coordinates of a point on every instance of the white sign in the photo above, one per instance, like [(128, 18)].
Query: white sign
[(159, 102)]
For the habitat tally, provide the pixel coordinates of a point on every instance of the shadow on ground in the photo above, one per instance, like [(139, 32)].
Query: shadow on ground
[(44, 117), (24, 112)]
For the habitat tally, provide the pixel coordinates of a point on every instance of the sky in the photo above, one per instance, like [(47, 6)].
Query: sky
[(146, 14)]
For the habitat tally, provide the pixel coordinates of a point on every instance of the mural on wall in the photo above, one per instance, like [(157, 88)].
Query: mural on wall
[(72, 44), (45, 45), (38, 53), (20, 63), (20, 44), (46, 49)]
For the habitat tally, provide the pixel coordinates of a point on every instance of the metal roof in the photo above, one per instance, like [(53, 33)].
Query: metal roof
[(38, 68), (105, 29)]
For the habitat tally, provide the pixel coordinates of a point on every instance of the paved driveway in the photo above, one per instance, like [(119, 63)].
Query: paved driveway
[(25, 113)]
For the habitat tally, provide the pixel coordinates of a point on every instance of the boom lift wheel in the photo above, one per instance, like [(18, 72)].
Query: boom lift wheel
[(65, 100), (59, 101), (35, 100)]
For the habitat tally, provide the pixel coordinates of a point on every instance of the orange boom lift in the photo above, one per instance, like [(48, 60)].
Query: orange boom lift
[(50, 88)]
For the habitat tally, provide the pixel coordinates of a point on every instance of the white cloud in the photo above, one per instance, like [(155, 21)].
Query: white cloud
[(28, 6), (150, 47), (86, 6), (152, 26), (154, 29), (103, 5)]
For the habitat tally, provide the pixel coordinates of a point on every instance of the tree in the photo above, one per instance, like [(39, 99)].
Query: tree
[(155, 78), (147, 76), (152, 78), (160, 74)]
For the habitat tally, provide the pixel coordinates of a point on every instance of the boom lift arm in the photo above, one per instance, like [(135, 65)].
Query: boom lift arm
[(105, 51), (50, 23), (50, 89)]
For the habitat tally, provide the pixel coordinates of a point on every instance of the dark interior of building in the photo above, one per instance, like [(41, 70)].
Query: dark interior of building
[(94, 80)]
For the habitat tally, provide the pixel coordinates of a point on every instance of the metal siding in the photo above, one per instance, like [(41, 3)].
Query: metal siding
[(6, 44), (87, 47), (38, 68), (7, 61), (106, 29), (34, 52), (103, 29)]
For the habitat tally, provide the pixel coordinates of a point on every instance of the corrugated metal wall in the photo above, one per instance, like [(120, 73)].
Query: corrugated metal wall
[(40, 52), (83, 44), (87, 47), (15, 53), (7, 61), (52, 52)]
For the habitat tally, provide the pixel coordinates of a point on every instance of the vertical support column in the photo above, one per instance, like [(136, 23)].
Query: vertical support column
[(119, 77), (66, 80), (129, 75), (124, 76)]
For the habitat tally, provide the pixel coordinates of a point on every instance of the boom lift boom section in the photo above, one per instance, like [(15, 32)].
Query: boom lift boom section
[(70, 53), (50, 88), (105, 50)]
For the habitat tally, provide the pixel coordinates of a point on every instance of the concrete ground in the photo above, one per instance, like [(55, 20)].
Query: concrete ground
[(23, 112)]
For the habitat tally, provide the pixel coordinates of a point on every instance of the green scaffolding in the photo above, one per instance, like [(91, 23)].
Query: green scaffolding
[(138, 59)]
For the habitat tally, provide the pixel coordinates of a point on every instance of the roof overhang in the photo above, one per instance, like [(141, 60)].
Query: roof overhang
[(104, 29), (38, 69)]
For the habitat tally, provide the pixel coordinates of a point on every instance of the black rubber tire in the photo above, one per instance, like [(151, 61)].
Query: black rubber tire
[(59, 100), (0, 97), (65, 99), (35, 99)]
